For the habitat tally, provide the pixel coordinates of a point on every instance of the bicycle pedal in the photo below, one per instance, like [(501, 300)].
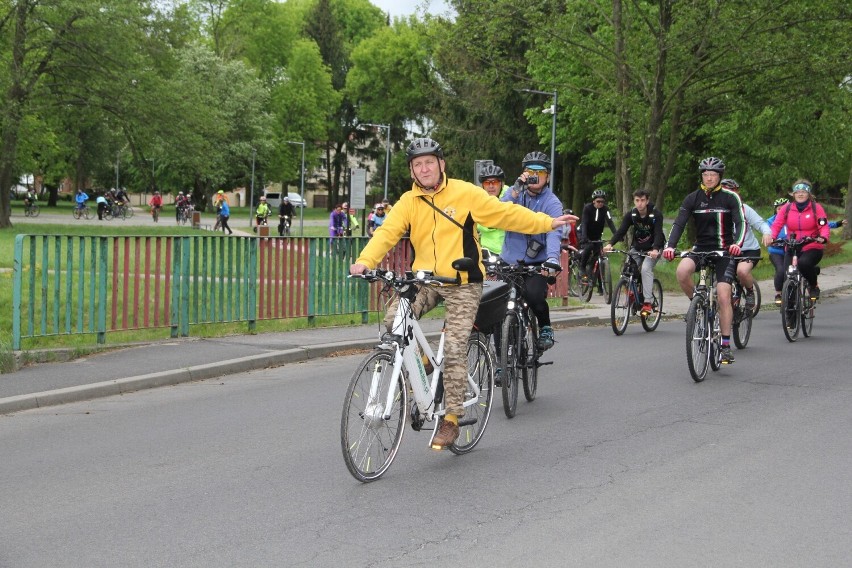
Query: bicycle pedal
[(467, 422)]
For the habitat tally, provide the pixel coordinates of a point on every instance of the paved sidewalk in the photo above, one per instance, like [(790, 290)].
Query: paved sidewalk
[(174, 361)]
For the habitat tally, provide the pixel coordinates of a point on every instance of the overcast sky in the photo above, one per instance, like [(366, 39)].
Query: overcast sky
[(408, 7)]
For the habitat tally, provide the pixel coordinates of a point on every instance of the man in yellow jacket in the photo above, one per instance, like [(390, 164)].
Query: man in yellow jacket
[(441, 216)]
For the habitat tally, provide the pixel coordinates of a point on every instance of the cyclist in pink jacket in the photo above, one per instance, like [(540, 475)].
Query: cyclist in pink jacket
[(804, 217)]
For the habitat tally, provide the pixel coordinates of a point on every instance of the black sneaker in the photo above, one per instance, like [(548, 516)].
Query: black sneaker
[(727, 356), (749, 299), (778, 299), (545, 338), (815, 293)]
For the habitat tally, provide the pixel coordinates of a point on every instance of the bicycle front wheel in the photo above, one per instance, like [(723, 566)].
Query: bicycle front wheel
[(478, 395), (575, 283), (509, 365), (531, 354), (697, 338), (87, 212), (651, 321), (620, 308), (370, 434), (791, 310), (808, 307)]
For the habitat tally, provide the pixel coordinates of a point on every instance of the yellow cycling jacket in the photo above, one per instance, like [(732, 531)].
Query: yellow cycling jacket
[(436, 240)]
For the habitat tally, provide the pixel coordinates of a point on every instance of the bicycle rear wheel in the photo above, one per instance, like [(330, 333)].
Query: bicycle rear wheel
[(697, 338), (620, 308), (757, 299), (651, 321), (715, 343), (510, 351), (791, 310), (478, 396), (369, 440), (34, 211), (742, 322), (808, 307), (588, 286), (575, 284), (531, 354), (77, 213), (606, 279)]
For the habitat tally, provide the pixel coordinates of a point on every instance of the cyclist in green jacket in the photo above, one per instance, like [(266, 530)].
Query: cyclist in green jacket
[(491, 178)]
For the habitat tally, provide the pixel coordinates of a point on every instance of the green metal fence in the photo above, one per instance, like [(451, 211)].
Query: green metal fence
[(65, 285)]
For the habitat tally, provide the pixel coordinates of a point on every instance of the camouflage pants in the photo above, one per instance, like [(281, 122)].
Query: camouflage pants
[(461, 303)]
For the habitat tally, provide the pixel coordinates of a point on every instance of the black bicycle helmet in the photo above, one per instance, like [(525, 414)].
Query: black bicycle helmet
[(536, 159), (598, 193), (424, 147), (731, 184), (492, 171), (711, 164)]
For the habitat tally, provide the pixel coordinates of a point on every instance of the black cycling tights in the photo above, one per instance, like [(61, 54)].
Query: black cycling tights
[(535, 293), (808, 261)]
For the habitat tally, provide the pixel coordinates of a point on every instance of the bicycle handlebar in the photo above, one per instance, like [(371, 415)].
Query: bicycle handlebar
[(792, 241), (399, 281)]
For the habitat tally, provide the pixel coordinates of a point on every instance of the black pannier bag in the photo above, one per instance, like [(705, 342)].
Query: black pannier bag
[(492, 305)]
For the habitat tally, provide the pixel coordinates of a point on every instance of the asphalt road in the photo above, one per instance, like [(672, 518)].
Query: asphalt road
[(621, 461)]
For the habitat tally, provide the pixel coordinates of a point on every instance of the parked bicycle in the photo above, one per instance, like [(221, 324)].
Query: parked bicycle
[(798, 309), (703, 329), (599, 277), (627, 297), (377, 405), (82, 212), (517, 343)]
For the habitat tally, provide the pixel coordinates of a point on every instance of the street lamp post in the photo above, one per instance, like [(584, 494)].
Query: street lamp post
[(550, 110), (301, 190), (387, 151), (251, 194)]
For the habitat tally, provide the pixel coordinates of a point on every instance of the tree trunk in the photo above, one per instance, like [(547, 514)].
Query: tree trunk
[(652, 166), (623, 185), (847, 230)]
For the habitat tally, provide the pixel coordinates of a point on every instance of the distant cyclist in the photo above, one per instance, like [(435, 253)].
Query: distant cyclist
[(595, 218), (750, 252), (81, 199), (491, 179), (647, 223), (719, 226)]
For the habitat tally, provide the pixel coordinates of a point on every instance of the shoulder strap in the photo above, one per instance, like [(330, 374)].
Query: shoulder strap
[(453, 221)]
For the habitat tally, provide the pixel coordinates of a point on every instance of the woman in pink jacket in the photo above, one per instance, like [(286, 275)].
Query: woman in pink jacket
[(804, 217)]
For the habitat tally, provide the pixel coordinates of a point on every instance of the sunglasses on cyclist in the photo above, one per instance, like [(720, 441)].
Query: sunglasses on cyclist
[(802, 187), (491, 181), (535, 172)]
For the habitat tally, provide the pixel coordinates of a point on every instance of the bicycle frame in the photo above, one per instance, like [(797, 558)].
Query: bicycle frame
[(406, 356)]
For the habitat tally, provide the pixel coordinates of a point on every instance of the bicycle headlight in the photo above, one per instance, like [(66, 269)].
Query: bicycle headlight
[(420, 275), (389, 275), (510, 305)]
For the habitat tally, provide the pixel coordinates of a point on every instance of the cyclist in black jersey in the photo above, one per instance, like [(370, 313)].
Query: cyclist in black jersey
[(595, 217), (647, 223), (719, 226)]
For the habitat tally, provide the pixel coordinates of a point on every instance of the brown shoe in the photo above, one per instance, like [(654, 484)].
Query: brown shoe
[(446, 435)]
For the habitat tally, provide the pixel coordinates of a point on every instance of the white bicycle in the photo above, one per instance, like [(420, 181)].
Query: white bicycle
[(377, 405)]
